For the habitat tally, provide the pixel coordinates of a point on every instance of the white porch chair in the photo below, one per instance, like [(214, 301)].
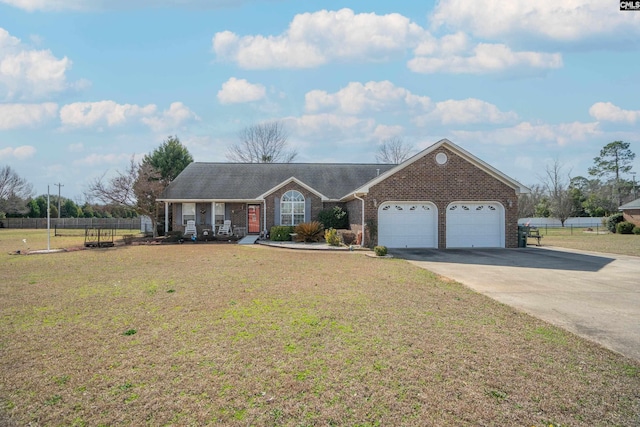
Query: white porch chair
[(225, 228), (190, 228)]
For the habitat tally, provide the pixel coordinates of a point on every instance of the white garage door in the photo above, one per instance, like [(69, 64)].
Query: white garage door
[(408, 225), (475, 225)]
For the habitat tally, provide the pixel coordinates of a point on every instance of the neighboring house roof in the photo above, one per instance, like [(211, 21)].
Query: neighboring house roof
[(634, 204), (456, 149), (252, 181)]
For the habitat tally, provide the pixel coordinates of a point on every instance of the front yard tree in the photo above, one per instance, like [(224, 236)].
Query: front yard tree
[(262, 143), (169, 159), (14, 192), (614, 160), (393, 151), (137, 188), (557, 186)]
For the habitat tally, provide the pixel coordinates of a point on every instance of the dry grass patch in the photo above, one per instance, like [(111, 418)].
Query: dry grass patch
[(226, 334)]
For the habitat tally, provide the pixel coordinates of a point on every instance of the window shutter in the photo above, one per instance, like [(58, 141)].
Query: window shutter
[(307, 209), (276, 210)]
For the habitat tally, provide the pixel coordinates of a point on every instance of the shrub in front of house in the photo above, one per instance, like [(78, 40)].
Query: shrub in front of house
[(335, 217), (281, 233), (380, 250), (347, 236), (331, 236), (624, 227), (636, 230), (613, 221), (309, 232)]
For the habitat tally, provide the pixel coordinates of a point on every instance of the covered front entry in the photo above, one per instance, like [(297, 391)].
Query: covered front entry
[(253, 219), (408, 225), (475, 225)]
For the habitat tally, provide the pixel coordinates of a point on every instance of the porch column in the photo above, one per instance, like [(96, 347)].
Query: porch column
[(166, 218)]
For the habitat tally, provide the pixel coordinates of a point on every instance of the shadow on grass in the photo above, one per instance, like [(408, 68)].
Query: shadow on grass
[(522, 257)]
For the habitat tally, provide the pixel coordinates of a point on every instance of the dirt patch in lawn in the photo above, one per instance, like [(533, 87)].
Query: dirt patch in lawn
[(237, 335)]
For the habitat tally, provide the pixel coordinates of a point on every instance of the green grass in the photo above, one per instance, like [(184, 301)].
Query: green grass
[(265, 336), (598, 240)]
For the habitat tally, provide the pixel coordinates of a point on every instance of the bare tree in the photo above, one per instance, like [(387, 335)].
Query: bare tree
[(136, 188), (527, 203), (557, 186), (262, 143), (14, 191), (394, 151)]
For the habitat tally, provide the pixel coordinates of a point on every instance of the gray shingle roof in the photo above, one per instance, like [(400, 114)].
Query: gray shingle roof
[(634, 204), (247, 181)]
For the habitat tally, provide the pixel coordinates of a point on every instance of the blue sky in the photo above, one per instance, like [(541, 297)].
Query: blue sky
[(85, 85)]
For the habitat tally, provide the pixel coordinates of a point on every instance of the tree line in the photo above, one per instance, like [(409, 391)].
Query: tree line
[(134, 191), (601, 193)]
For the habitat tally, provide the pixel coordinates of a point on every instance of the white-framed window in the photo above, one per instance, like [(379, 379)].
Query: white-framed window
[(218, 213), (292, 208), (188, 212)]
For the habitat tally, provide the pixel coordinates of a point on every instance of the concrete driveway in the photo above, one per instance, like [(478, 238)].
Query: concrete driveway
[(594, 295)]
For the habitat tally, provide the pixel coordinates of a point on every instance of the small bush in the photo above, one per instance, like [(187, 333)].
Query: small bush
[(281, 233), (613, 221), (624, 227), (636, 230), (332, 237), (380, 250), (309, 232), (347, 236), (335, 217)]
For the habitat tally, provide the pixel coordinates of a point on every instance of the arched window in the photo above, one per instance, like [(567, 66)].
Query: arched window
[(292, 208)]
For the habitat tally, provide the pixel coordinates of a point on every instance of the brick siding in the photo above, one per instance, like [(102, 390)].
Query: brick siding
[(456, 180)]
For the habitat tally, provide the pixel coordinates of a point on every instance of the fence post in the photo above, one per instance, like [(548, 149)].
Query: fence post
[(571, 229)]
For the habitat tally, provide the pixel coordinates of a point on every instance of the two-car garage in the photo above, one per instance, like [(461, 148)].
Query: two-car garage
[(415, 225)]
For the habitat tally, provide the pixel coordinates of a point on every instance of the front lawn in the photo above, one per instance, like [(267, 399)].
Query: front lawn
[(595, 240), (199, 334)]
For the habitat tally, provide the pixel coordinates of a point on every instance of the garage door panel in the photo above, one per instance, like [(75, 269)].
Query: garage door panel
[(475, 224), (407, 225)]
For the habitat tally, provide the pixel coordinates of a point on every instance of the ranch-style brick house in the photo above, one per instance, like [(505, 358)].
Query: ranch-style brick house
[(443, 197)]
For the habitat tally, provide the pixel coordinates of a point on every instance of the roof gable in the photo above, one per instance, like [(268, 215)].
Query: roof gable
[(457, 150)]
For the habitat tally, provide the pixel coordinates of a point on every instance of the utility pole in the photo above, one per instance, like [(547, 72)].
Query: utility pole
[(59, 185), (635, 195)]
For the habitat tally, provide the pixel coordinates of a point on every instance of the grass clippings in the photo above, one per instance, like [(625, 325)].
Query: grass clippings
[(261, 336)]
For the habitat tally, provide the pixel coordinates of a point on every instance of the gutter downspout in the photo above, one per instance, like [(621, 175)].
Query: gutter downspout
[(363, 224), (264, 219), (166, 219)]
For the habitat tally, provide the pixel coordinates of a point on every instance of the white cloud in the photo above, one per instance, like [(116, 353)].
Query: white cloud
[(21, 115), (75, 148), (87, 114), (84, 5), (102, 159), (358, 98), (566, 20), (21, 153), (483, 58), (466, 111), (28, 73), (236, 91), (170, 119), (608, 112), (525, 133), (313, 39), (329, 126), (383, 132)]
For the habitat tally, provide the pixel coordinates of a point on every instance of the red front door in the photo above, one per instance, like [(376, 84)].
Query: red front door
[(254, 219)]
